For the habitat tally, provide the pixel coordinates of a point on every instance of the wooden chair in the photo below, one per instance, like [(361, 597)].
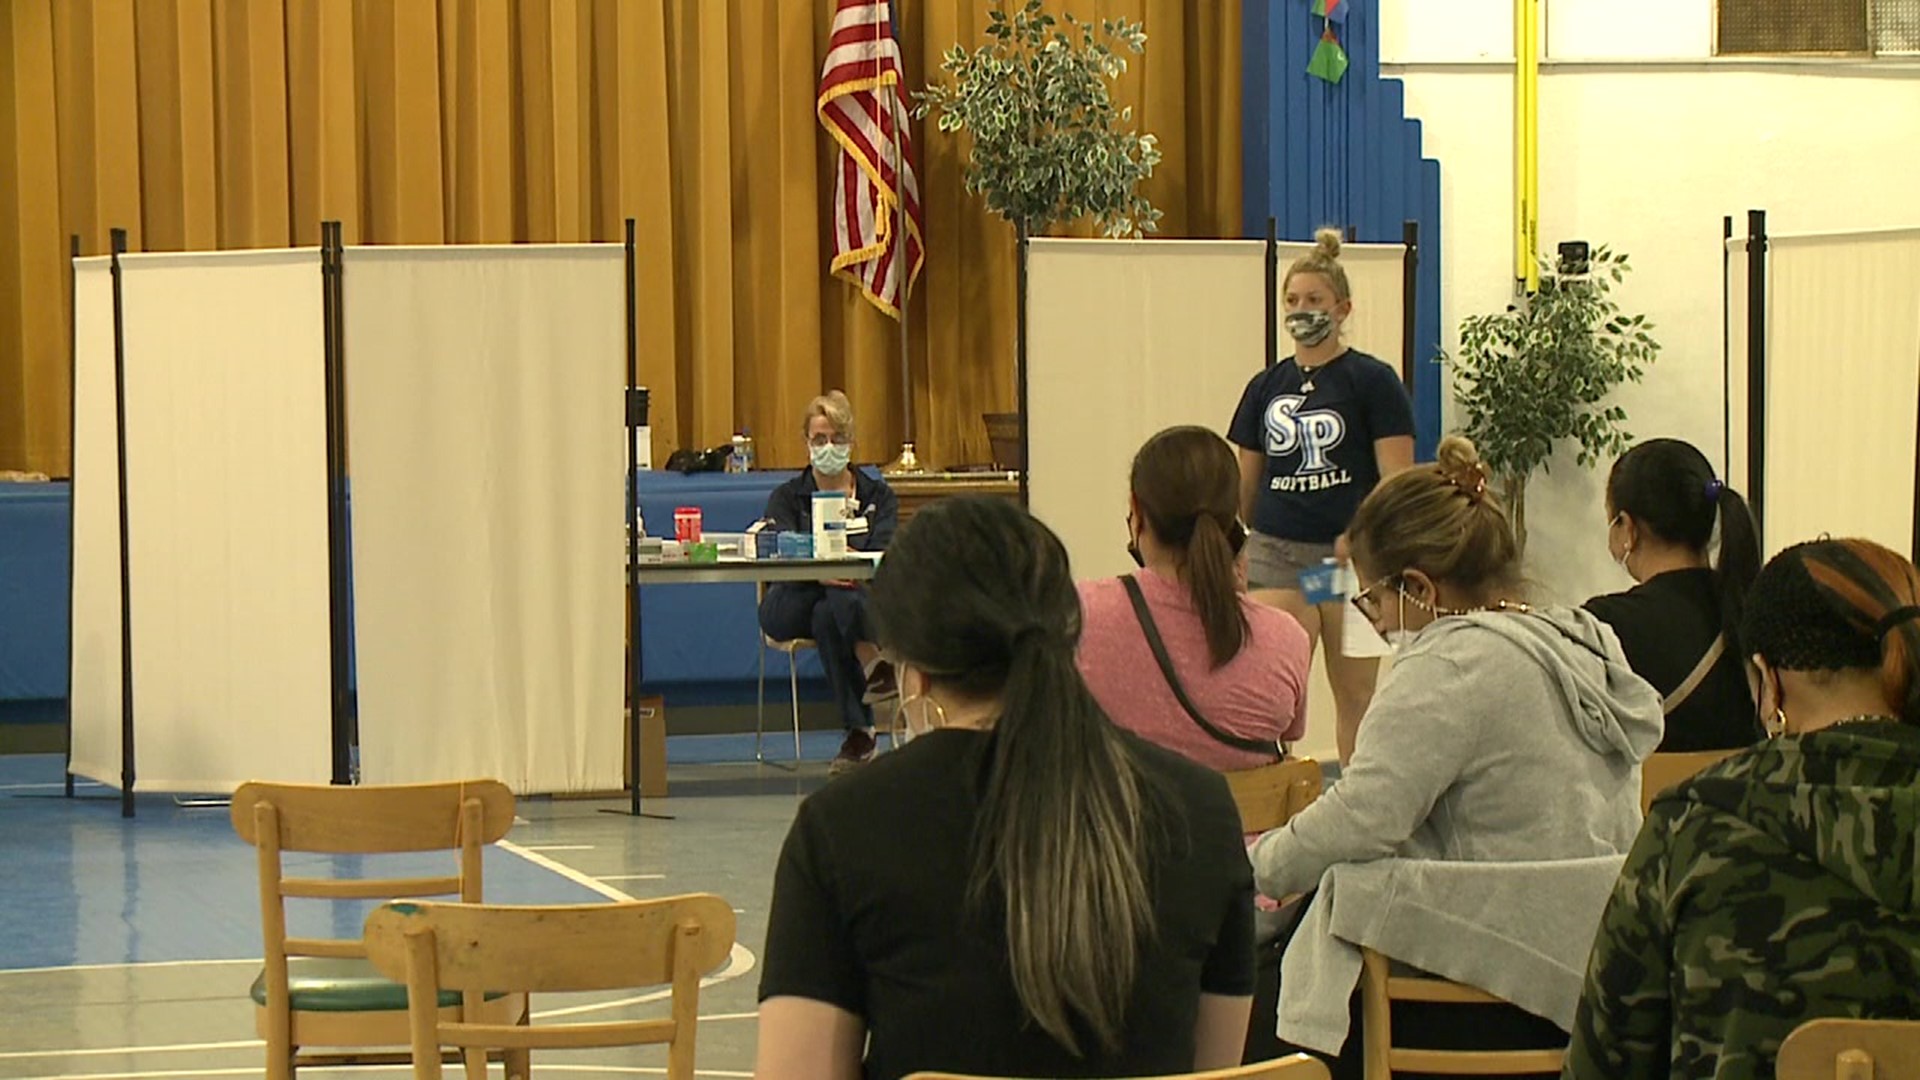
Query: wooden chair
[(440, 947), (1661, 772), (791, 647), (1379, 988), (1291, 1067), (1269, 795), (1843, 1049), (322, 991)]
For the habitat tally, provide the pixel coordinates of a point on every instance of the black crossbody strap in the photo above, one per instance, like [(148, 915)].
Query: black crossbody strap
[(1159, 648)]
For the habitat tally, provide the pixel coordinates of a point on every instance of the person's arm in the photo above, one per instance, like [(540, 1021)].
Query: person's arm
[(1220, 1031), (1246, 432), (1389, 421), (812, 985), (883, 518), (1228, 972), (1624, 1025), (1393, 453), (1421, 732), (783, 509), (1253, 470), (803, 1039)]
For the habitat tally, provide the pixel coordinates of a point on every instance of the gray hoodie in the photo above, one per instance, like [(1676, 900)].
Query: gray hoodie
[(1496, 737)]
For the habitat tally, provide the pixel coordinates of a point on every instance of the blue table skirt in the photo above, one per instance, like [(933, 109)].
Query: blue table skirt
[(34, 601), (700, 642)]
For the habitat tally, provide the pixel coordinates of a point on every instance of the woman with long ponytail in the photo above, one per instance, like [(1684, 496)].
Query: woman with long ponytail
[(1776, 887), (1680, 622), (1241, 665), (1024, 889)]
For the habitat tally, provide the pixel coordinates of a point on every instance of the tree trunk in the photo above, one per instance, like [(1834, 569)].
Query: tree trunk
[(1513, 492)]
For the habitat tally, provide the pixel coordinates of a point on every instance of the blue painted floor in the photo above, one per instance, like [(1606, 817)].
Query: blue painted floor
[(126, 946)]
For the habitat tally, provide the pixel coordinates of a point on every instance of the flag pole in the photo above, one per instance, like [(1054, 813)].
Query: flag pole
[(908, 462)]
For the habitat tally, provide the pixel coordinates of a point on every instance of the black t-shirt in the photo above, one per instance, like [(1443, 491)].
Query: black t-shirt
[(1666, 624), (1319, 442), (870, 914)]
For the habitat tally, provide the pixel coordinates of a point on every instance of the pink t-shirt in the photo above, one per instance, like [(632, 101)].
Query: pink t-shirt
[(1259, 694)]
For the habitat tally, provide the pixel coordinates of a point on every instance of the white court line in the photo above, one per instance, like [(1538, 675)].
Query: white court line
[(739, 960), (558, 847), (102, 1051), (633, 877), (124, 964), (585, 881), (373, 1069)]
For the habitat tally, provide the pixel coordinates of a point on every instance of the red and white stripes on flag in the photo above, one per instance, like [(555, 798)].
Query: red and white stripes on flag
[(862, 107)]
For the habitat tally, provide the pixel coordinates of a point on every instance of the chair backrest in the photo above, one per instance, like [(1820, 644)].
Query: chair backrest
[(1379, 988), (1842, 1049), (1663, 771), (462, 815), (1268, 796), (1291, 1067), (567, 947)]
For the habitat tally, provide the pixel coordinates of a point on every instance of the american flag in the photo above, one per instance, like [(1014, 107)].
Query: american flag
[(862, 107)]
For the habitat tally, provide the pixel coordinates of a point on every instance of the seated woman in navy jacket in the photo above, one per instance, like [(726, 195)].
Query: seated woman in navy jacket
[(834, 613)]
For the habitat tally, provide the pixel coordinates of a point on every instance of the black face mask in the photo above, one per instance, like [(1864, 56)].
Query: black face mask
[(1133, 546)]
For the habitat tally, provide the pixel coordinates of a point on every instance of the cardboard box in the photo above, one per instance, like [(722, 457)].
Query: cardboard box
[(653, 749)]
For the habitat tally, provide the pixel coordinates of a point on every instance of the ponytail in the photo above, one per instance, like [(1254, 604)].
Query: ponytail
[(1059, 840), (977, 594), (1216, 588), (1738, 562)]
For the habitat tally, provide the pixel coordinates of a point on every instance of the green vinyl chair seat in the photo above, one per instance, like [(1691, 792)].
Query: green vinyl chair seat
[(328, 984)]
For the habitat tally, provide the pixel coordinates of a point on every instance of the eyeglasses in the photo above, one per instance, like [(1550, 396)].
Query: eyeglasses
[(824, 440), (1363, 601)]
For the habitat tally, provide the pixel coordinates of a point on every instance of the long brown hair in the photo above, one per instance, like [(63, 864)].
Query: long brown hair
[(1186, 482), (977, 595)]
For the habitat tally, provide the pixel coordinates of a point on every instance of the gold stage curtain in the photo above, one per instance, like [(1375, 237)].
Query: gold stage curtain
[(200, 124)]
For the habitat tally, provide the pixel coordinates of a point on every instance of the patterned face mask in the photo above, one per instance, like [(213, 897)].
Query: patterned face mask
[(1309, 327)]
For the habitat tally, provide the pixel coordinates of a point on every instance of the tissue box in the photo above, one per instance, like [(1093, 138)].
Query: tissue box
[(795, 545)]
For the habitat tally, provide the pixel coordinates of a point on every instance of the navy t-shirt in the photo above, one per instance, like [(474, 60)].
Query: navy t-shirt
[(1319, 443)]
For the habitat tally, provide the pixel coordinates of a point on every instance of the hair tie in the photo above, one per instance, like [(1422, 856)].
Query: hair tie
[(1474, 490), (1714, 488), (1892, 620)]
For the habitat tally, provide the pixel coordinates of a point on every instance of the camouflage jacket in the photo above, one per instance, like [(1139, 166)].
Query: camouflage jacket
[(1774, 887)]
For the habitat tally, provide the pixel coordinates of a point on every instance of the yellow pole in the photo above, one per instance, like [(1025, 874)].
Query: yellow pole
[(1526, 145)]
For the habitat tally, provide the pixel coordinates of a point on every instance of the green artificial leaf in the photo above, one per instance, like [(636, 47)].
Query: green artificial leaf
[(1048, 144)]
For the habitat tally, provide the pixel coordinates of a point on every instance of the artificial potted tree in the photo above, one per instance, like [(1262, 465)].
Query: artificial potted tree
[(1048, 146), (1540, 373)]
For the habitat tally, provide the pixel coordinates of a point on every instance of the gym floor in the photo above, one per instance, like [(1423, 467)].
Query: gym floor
[(127, 947)]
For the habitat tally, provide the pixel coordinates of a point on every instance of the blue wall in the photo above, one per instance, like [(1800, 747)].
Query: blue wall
[(1319, 154)]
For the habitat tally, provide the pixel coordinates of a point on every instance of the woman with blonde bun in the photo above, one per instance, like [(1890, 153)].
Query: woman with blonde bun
[(1506, 732), (1316, 432)]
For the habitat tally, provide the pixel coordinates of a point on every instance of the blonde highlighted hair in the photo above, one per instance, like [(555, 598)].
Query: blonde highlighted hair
[(1324, 260), (836, 408), (1441, 520)]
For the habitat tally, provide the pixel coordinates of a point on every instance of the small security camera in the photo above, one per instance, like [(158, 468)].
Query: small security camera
[(1574, 258)]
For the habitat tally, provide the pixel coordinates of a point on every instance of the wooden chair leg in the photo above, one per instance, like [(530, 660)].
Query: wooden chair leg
[(476, 1064), (519, 1064)]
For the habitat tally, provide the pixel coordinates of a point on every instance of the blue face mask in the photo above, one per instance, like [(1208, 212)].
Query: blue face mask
[(831, 459)]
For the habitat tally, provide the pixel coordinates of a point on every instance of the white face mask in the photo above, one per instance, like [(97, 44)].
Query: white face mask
[(1626, 550), (831, 459)]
